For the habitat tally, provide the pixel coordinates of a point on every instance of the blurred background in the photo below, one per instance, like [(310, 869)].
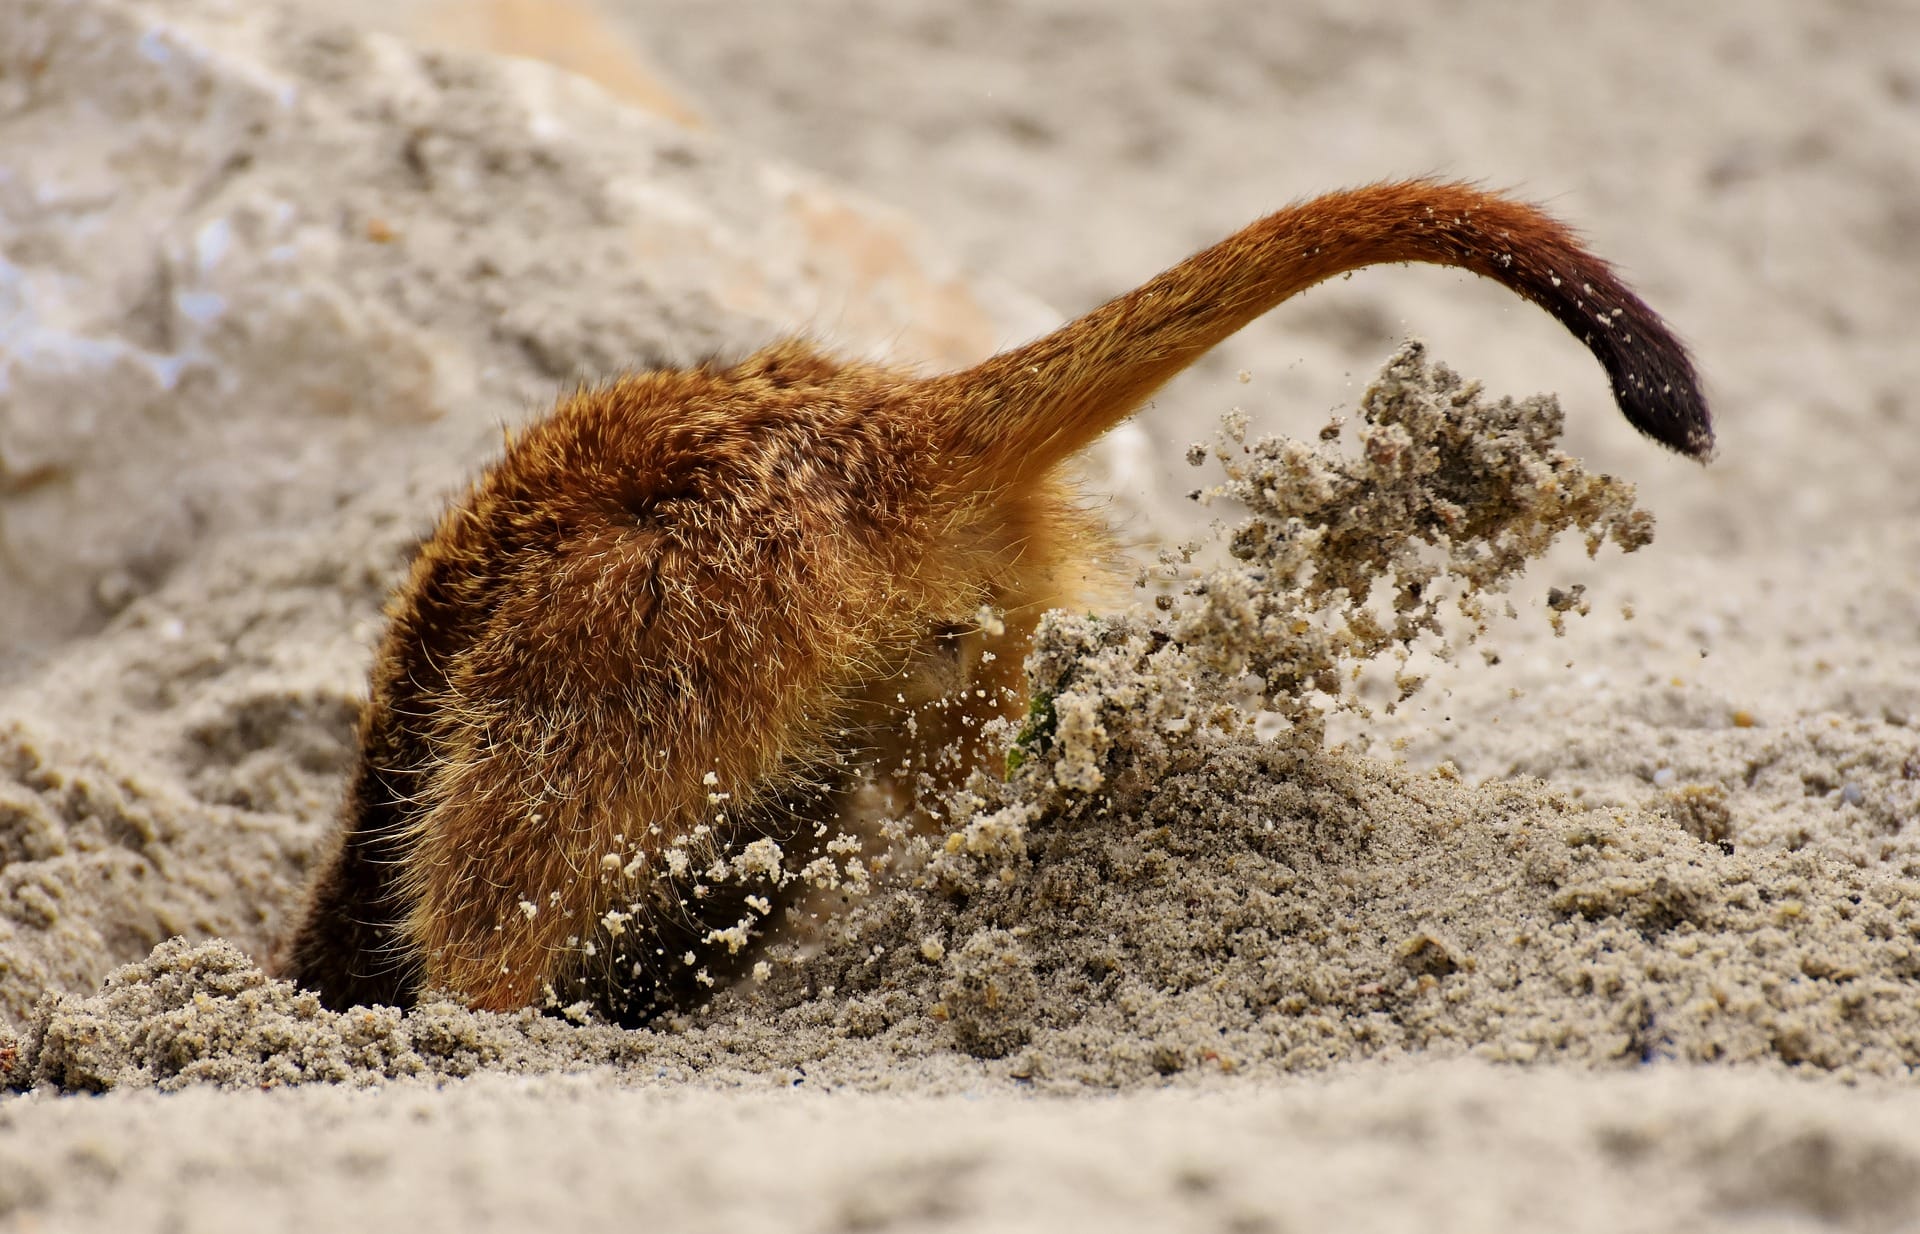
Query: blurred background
[(914, 180), (1753, 168)]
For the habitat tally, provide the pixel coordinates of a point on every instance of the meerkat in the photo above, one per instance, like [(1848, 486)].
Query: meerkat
[(688, 609)]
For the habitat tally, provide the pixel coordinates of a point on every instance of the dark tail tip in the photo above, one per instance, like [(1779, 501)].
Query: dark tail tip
[(1654, 380), (1653, 377)]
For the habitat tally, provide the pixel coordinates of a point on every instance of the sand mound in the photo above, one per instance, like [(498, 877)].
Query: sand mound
[(1260, 909)]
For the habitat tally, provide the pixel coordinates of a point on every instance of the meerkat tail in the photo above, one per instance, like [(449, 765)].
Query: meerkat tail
[(1023, 411)]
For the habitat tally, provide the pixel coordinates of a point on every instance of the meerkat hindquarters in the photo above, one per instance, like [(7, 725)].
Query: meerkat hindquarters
[(692, 609)]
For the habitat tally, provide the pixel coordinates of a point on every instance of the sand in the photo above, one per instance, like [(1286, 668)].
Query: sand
[(1616, 928)]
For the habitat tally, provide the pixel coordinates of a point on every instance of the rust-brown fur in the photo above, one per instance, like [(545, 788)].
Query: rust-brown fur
[(758, 571)]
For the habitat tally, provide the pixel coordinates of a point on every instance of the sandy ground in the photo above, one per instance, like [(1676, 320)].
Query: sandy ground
[(1619, 932)]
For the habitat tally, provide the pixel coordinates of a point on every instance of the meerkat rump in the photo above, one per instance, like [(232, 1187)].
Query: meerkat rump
[(718, 602)]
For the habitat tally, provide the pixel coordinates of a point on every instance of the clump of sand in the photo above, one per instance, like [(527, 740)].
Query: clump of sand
[(1181, 879)]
